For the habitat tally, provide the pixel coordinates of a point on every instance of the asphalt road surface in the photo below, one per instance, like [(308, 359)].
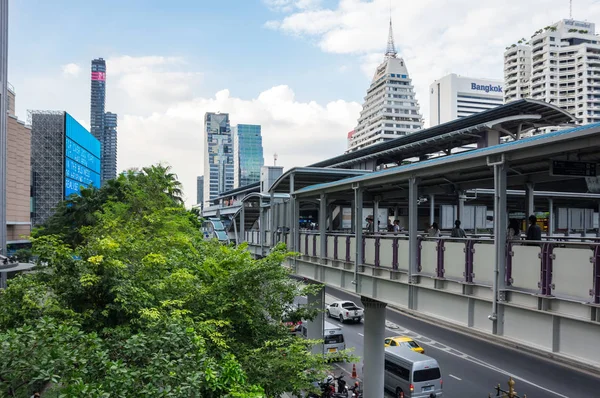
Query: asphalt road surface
[(472, 367)]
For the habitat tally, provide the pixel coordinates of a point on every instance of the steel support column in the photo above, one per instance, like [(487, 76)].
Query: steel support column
[(376, 216), (500, 227), (396, 213), (261, 226), (374, 350), (353, 215), (461, 206), (315, 327), (323, 227), (431, 209), (292, 211), (529, 191), (413, 219), (357, 222), (550, 217), (272, 218), (243, 222)]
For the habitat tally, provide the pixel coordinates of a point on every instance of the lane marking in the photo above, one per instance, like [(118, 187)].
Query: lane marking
[(361, 335), (457, 378)]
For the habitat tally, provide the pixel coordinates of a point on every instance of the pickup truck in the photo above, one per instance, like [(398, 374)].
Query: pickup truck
[(345, 310)]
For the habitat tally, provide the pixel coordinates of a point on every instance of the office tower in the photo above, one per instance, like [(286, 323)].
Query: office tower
[(390, 109), (200, 190), (453, 97), (64, 157), (109, 147), (248, 154), (218, 155), (559, 64), (3, 107), (18, 181), (98, 98)]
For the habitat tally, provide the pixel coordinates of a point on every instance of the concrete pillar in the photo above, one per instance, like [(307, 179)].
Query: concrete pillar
[(315, 327), (500, 228), (329, 217), (598, 229), (474, 219), (568, 222), (584, 222), (460, 206), (323, 227), (353, 215), (550, 217), (243, 223), (374, 351), (357, 222), (413, 219), (431, 209), (376, 221), (529, 189)]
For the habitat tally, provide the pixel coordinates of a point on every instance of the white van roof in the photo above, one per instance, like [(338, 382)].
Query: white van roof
[(331, 326), (408, 355)]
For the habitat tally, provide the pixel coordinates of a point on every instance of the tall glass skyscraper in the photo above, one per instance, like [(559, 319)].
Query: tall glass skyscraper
[(248, 154), (109, 147), (218, 155), (103, 125), (200, 190)]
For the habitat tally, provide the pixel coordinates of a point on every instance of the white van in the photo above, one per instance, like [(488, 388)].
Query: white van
[(333, 338), (414, 374)]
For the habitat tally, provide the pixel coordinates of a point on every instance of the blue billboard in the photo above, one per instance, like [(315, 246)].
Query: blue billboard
[(82, 157)]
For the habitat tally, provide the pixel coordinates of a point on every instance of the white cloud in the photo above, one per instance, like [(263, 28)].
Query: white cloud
[(71, 70), (299, 132), (434, 37)]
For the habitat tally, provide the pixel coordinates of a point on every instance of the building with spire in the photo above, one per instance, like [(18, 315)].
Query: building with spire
[(390, 109)]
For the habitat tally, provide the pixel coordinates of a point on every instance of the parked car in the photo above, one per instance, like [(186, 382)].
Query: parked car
[(404, 341), (345, 310)]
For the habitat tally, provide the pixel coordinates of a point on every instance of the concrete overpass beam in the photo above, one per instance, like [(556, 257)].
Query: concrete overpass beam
[(374, 351), (315, 327)]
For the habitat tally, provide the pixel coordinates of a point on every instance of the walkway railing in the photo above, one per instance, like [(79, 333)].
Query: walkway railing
[(566, 269)]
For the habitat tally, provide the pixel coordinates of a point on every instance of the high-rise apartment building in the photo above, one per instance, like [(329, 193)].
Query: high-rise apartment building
[(453, 97), (218, 155), (3, 108), (390, 109), (109, 147), (200, 190), (18, 178), (560, 64), (247, 154), (64, 157), (103, 125)]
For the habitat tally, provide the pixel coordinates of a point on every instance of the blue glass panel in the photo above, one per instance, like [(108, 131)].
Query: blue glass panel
[(77, 172), (82, 156), (71, 187), (80, 135)]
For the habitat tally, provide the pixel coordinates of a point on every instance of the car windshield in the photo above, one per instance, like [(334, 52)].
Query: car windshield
[(348, 305), (412, 344), (426, 375)]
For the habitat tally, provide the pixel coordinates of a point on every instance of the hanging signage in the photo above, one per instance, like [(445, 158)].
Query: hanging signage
[(572, 169)]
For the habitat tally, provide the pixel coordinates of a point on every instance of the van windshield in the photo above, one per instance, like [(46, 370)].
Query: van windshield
[(426, 375), (335, 339)]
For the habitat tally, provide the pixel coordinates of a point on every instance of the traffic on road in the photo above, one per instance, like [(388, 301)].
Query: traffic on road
[(455, 365)]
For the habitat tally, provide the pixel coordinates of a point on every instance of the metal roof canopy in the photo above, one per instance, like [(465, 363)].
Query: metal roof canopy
[(307, 176), (252, 212), (254, 187), (511, 119), (527, 159)]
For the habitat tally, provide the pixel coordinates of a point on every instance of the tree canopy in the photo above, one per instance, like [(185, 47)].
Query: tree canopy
[(128, 299)]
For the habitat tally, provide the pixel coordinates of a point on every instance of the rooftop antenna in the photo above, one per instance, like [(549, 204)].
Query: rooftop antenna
[(570, 9), (275, 159), (391, 48)]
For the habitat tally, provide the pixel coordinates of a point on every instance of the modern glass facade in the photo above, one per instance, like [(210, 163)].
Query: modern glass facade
[(82, 157), (248, 154), (218, 155), (109, 147), (200, 190)]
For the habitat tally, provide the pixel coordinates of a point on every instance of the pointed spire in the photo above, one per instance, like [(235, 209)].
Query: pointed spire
[(391, 48)]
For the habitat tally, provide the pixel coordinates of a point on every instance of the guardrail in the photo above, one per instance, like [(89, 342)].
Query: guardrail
[(570, 270)]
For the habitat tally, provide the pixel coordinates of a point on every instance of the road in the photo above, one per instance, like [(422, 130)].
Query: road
[(472, 367)]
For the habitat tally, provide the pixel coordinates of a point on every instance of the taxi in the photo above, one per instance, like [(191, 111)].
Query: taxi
[(404, 341)]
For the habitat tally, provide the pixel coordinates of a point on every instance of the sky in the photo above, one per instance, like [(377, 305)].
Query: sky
[(299, 68)]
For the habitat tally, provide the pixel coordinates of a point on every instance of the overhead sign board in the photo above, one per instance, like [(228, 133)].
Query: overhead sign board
[(572, 169)]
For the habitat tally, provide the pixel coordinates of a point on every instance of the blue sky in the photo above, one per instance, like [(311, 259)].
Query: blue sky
[(299, 68)]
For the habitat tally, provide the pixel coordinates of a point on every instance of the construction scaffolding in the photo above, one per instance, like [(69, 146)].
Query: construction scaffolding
[(47, 162)]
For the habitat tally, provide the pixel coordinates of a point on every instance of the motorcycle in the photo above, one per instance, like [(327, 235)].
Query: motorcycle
[(342, 388), (328, 388), (356, 391)]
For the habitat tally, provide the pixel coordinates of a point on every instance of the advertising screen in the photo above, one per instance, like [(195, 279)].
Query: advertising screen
[(82, 157)]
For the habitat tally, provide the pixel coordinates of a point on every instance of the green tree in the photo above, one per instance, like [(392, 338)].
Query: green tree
[(151, 307)]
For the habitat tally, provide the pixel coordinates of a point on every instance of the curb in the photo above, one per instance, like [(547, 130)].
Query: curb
[(502, 342)]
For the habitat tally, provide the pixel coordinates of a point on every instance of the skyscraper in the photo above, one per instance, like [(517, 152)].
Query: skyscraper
[(248, 154), (559, 65), (390, 109), (103, 125), (98, 98), (200, 190), (453, 97), (109, 147), (64, 157), (218, 155)]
